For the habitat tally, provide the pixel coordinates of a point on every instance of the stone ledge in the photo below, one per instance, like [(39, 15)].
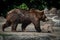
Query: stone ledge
[(28, 36)]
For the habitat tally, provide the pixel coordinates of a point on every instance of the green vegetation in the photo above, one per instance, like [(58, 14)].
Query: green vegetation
[(6, 5), (23, 6), (5, 34)]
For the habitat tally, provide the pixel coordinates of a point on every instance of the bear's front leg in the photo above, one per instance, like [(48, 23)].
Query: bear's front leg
[(37, 25), (14, 26)]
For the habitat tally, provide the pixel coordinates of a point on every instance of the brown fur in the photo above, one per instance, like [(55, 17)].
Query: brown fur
[(16, 16)]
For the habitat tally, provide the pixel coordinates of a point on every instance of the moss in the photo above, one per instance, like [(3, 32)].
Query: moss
[(5, 34)]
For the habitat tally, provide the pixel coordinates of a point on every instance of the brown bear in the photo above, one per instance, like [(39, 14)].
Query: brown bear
[(16, 16)]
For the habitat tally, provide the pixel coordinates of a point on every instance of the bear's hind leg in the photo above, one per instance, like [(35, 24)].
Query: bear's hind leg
[(24, 25), (7, 24)]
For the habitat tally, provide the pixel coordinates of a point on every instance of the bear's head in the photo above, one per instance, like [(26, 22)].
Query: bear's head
[(41, 15)]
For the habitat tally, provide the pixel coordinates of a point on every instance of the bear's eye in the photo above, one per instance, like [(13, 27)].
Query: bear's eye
[(44, 17)]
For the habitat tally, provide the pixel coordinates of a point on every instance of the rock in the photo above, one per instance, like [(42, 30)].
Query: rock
[(47, 28), (2, 19), (58, 13), (46, 11), (56, 21), (28, 36), (53, 11)]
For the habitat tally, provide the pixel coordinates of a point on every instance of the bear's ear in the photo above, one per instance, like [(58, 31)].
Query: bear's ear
[(32, 10), (42, 12)]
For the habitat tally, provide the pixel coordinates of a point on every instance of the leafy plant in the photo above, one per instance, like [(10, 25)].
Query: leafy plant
[(23, 6)]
